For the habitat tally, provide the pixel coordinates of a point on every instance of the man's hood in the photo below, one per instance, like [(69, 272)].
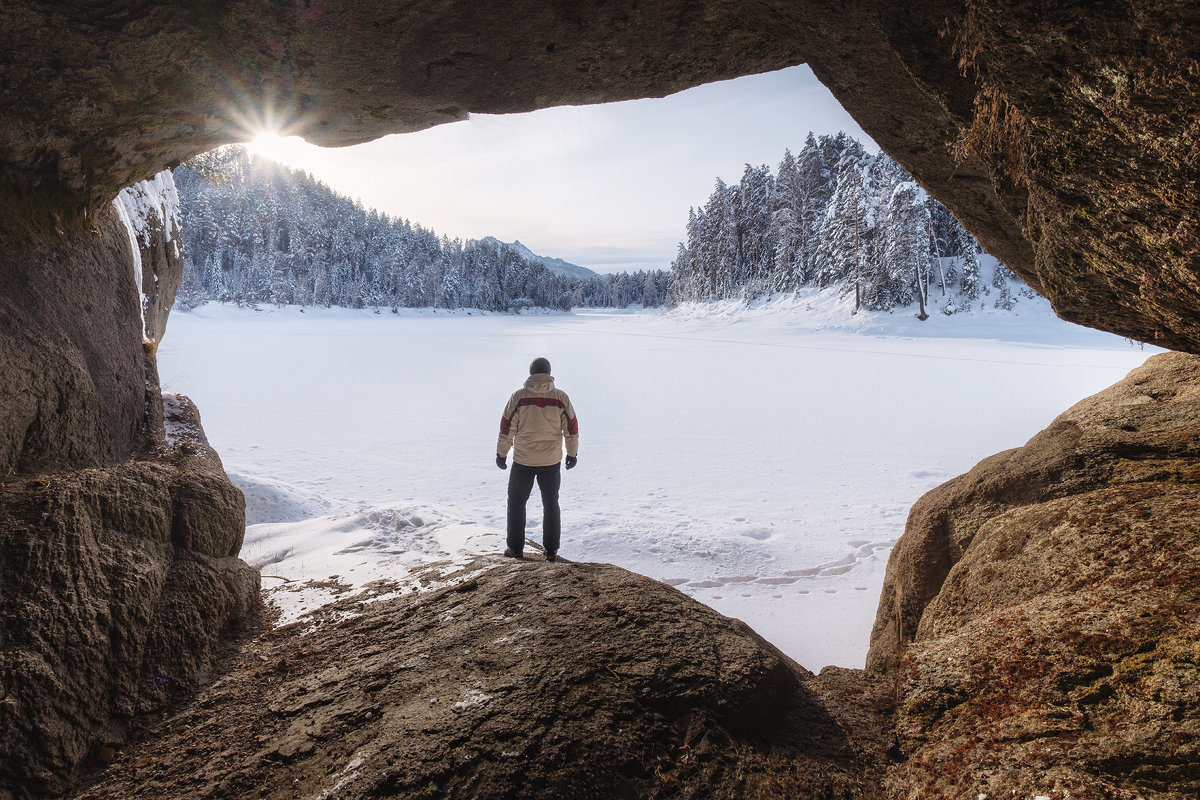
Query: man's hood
[(539, 382)]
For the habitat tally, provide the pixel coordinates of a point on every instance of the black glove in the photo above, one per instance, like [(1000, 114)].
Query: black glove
[(502, 462), (572, 461)]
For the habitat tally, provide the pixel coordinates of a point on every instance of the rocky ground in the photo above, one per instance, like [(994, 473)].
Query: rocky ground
[(528, 680)]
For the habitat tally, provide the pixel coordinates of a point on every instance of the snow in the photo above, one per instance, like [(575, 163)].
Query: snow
[(142, 207), (760, 458), (472, 698), (152, 201), (176, 431), (386, 550)]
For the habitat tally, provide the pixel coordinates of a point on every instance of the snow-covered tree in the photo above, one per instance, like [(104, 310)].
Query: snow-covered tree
[(258, 232), (833, 215)]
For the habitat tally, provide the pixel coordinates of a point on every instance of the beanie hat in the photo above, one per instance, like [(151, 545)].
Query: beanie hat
[(539, 365)]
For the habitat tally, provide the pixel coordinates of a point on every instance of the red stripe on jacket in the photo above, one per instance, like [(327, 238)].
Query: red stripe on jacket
[(540, 402)]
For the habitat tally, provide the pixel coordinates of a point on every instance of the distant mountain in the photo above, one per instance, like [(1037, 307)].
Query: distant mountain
[(556, 265)]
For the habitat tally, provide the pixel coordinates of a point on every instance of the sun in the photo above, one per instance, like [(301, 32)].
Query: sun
[(284, 149)]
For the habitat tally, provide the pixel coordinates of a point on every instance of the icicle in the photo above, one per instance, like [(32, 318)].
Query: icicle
[(122, 204)]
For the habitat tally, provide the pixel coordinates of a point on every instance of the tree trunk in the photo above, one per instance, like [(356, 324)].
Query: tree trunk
[(937, 254), (857, 262), (920, 293)]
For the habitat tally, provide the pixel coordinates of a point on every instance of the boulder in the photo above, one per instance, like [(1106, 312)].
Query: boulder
[(1145, 429), (1038, 615), (527, 680), (117, 586)]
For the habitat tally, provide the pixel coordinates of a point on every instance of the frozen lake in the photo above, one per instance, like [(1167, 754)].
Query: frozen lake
[(761, 462)]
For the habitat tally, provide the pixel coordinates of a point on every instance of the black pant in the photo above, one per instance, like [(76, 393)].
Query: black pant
[(520, 484)]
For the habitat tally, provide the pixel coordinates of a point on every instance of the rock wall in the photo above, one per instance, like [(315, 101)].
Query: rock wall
[(118, 568), (1038, 615), (74, 333), (70, 349)]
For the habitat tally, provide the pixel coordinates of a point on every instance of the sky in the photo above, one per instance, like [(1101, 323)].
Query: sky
[(604, 186)]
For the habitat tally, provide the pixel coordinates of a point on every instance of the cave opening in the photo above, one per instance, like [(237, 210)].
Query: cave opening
[(313, 362)]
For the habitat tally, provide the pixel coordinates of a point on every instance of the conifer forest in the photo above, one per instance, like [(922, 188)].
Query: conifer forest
[(833, 215)]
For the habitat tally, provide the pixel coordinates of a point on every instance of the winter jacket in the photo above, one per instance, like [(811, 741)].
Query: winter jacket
[(538, 418)]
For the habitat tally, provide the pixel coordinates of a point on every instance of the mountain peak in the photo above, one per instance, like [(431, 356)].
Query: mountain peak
[(556, 265)]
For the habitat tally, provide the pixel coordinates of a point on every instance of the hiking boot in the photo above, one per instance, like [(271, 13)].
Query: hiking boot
[(550, 556), (508, 551)]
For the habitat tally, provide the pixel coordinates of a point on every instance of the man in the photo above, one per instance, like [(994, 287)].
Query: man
[(537, 419)]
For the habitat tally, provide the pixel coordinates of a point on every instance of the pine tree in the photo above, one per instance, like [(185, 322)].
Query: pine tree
[(907, 247), (836, 216), (841, 249)]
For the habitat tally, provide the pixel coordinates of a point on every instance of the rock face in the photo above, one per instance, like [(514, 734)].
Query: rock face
[(529, 680), (70, 350), (118, 584), (74, 331), (1039, 613), (118, 575)]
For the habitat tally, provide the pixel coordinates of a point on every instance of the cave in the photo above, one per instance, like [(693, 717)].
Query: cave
[(1036, 632)]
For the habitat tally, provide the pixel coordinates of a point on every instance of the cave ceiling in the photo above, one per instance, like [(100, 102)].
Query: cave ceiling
[(1064, 135)]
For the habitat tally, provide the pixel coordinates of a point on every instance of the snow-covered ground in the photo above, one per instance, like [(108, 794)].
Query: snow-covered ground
[(761, 459)]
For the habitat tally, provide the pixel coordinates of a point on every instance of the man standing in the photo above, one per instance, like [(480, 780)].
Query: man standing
[(537, 419)]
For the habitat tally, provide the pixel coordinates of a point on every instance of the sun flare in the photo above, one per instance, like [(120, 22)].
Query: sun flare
[(285, 149)]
